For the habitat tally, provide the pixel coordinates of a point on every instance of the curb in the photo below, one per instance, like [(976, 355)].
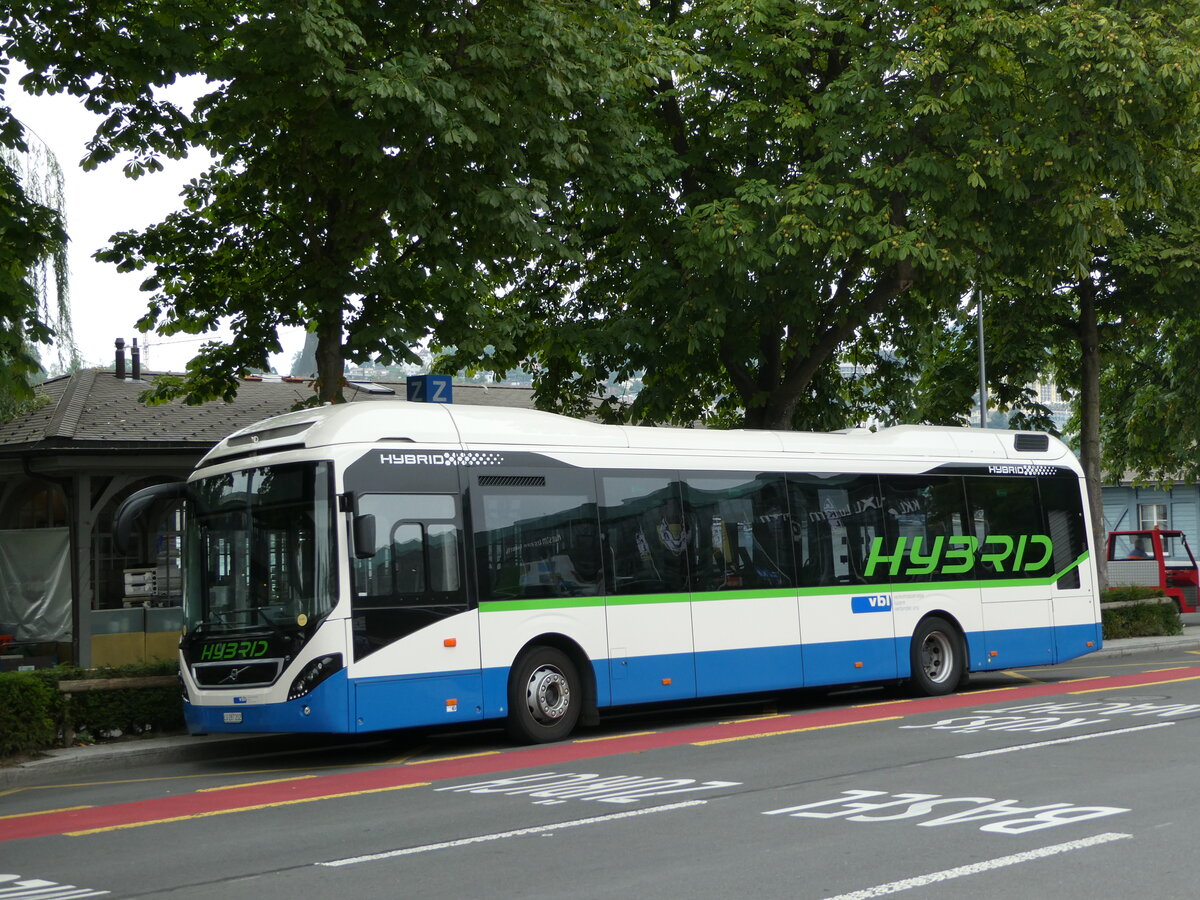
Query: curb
[(151, 751), (1129, 646)]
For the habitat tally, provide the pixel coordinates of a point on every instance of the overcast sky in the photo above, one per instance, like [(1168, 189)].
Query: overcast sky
[(105, 304)]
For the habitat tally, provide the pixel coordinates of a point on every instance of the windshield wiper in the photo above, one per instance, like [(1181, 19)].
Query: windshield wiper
[(268, 619)]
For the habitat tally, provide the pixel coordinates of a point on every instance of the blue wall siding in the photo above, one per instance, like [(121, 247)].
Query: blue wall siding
[(1183, 505)]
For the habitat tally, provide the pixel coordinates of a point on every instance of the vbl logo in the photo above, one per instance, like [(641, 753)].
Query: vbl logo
[(871, 603)]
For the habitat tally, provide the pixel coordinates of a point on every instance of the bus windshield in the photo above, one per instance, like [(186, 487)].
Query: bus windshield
[(259, 549)]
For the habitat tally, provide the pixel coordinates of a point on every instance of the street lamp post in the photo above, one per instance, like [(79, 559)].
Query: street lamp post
[(982, 362)]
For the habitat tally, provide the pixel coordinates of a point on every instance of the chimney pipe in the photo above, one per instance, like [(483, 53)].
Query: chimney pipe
[(135, 357), (120, 373)]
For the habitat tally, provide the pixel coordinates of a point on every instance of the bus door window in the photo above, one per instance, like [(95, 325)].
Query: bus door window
[(536, 535), (927, 533), (747, 543), (1065, 525), (837, 519), (415, 577)]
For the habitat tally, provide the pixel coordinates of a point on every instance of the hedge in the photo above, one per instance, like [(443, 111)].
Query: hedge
[(33, 711), (1128, 592), (1140, 620), (29, 713)]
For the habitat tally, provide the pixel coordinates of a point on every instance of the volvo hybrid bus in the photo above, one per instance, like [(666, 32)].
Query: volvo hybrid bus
[(387, 564)]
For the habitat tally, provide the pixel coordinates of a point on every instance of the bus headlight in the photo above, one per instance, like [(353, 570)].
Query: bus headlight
[(314, 673)]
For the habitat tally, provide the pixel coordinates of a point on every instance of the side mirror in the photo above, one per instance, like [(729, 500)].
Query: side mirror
[(364, 536), (136, 504)]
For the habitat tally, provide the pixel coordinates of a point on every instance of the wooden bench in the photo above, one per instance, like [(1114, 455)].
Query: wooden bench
[(86, 685)]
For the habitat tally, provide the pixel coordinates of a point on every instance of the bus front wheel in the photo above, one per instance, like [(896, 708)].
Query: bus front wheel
[(544, 697), (938, 660)]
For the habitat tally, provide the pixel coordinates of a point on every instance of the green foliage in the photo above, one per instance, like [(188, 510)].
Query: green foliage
[(33, 710), (377, 170), (28, 713), (1141, 620), (729, 197), (33, 270), (1125, 593), (825, 183)]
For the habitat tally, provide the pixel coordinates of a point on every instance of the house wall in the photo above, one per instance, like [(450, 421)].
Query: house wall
[(81, 492), (1121, 504)]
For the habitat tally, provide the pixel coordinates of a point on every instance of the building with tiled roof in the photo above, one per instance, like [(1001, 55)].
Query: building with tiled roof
[(66, 594)]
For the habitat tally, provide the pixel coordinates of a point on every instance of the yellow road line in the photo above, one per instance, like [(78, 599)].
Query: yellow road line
[(1126, 687), (401, 760), (751, 737), (423, 762), (1014, 674), (887, 702), (230, 787), (613, 737), (44, 812), (208, 775), (223, 812)]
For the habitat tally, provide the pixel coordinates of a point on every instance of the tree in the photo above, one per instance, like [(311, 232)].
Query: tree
[(837, 179), (1148, 326), (377, 168), (34, 306)]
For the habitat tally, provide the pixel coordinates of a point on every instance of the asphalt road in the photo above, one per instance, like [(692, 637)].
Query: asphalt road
[(1033, 784)]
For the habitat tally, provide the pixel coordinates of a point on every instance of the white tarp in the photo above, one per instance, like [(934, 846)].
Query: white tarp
[(35, 584)]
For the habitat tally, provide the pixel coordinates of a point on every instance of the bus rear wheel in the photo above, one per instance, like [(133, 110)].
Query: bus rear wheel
[(937, 657), (544, 697)]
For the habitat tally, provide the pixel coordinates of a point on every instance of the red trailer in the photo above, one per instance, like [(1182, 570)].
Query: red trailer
[(1155, 558)]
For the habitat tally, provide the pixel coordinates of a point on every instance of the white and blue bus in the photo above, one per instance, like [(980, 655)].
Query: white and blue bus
[(384, 565)]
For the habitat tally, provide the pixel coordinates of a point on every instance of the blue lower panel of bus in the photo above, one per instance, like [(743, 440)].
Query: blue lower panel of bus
[(408, 701), (1014, 647), (747, 671), (1075, 640), (651, 679), (1018, 647), (327, 704), (843, 662)]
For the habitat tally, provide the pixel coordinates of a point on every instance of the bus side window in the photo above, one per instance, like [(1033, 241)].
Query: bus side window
[(744, 532), (536, 535), (651, 538), (924, 512), (837, 520)]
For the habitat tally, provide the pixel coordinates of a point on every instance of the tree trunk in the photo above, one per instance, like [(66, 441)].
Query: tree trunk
[(331, 366), (1089, 418)]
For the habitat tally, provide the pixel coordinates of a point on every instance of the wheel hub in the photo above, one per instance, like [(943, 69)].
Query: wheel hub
[(548, 694), (937, 657)]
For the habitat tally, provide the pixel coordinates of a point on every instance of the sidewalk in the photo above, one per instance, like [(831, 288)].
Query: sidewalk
[(184, 747)]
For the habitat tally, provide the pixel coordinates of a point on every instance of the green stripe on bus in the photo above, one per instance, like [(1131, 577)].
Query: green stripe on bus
[(759, 594), (541, 603)]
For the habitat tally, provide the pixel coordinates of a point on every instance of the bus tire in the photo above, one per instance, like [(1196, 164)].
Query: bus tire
[(937, 657), (545, 697)]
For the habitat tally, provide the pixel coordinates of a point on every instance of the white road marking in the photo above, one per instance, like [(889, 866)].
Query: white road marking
[(1068, 740), (896, 887), (536, 829), (13, 887)]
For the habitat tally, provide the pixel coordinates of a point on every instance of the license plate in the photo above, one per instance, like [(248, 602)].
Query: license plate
[(233, 718)]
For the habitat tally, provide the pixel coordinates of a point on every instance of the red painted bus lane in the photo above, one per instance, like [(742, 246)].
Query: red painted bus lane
[(161, 810)]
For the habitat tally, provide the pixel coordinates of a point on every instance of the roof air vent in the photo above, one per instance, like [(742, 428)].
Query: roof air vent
[(1031, 443), (268, 434)]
